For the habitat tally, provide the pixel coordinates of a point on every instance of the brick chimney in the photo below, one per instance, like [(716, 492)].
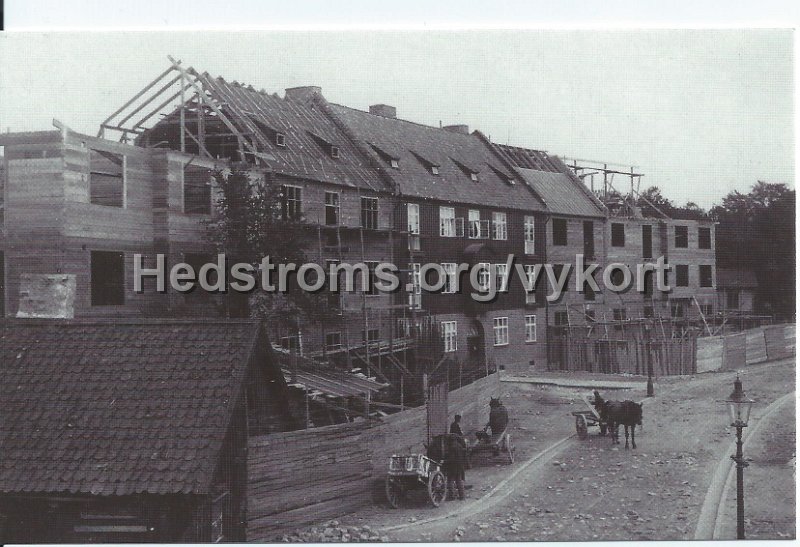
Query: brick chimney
[(457, 128), (383, 110), (302, 93)]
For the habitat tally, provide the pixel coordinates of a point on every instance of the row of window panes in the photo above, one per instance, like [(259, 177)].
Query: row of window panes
[(500, 329), (292, 207)]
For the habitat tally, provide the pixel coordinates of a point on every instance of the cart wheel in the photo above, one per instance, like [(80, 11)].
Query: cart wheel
[(437, 488), (509, 449), (581, 427), (394, 492)]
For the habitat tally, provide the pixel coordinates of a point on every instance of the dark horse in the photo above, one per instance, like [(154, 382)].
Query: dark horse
[(626, 413)]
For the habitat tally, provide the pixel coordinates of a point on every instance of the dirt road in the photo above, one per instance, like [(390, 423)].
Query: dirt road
[(563, 489)]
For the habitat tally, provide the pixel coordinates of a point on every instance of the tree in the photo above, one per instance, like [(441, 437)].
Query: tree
[(252, 224), (757, 231)]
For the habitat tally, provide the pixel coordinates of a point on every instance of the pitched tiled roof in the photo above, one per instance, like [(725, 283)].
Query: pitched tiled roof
[(554, 182), (117, 408), (731, 278), (308, 134), (417, 147)]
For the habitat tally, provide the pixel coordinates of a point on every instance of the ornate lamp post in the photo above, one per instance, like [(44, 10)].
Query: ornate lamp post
[(739, 406)]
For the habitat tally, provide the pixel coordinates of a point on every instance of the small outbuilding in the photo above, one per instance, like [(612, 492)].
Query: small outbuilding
[(131, 430)]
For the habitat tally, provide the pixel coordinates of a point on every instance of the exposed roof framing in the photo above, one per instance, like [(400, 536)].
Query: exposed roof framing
[(192, 112)]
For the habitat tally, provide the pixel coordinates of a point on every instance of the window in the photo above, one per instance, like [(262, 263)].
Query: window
[(447, 222), (334, 297), (369, 213), (107, 178), (371, 336), (451, 278), (647, 241), (732, 300), (588, 292), (619, 314), (280, 139), (335, 152), (501, 276), (413, 218), (681, 275), (484, 276), (561, 318), (434, 169), (449, 333), (474, 177), (292, 206), (617, 234), (196, 190), (649, 312), (372, 290), (394, 163), (415, 297), (707, 309), (681, 237), (501, 331), (704, 236), (530, 328), (649, 284), (706, 279), (107, 278), (499, 221), (529, 227), (332, 208), (292, 343), (677, 308), (474, 223), (530, 295), (333, 341), (588, 239), (559, 231)]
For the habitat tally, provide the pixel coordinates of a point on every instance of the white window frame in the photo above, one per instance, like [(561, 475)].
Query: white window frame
[(413, 218), (484, 276), (529, 227), (500, 326), (451, 277), (530, 296), (415, 296), (530, 328), (334, 206), (474, 220), (447, 221), (500, 226), (450, 335), (501, 276)]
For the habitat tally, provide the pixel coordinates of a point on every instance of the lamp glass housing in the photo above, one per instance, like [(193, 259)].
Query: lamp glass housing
[(740, 411)]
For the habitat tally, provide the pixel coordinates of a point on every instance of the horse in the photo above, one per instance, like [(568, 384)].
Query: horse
[(627, 413)]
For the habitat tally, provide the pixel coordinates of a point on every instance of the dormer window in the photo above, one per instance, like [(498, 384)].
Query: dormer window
[(507, 178), (335, 152), (432, 168), (391, 159), (468, 171), (327, 146), (280, 139)]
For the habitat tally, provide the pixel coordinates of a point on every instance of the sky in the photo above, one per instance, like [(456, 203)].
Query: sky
[(699, 112)]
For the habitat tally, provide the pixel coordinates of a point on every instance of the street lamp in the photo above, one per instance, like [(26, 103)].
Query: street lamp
[(739, 406)]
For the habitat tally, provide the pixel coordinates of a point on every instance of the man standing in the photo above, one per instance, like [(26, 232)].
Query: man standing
[(455, 427), (454, 466)]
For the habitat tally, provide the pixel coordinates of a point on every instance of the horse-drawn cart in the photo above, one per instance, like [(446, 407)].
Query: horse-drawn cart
[(496, 443), (586, 418), (414, 472)]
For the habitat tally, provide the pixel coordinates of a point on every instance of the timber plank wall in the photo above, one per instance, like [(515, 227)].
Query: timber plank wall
[(301, 477), (749, 347)]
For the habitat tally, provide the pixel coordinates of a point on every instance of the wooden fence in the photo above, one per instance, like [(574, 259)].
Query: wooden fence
[(735, 351), (306, 476)]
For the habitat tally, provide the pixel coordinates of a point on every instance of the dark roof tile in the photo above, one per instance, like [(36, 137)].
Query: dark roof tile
[(82, 414)]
